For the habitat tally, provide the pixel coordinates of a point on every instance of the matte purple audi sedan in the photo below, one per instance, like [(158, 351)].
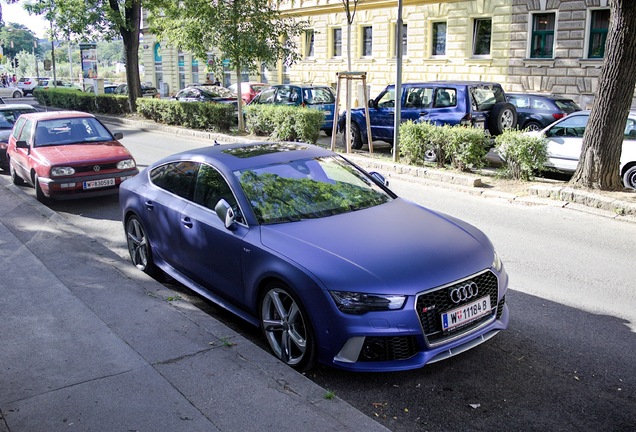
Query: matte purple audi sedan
[(329, 262)]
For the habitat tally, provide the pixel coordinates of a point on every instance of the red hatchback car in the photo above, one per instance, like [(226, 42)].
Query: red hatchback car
[(67, 154)]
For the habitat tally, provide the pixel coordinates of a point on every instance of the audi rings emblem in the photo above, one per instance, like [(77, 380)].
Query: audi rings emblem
[(96, 168), (464, 292)]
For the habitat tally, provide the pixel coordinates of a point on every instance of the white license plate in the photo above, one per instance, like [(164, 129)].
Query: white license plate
[(465, 313), (92, 184)]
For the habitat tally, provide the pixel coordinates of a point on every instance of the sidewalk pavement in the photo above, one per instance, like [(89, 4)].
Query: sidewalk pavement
[(90, 343)]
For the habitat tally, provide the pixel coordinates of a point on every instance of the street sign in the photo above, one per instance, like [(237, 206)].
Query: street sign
[(226, 62)]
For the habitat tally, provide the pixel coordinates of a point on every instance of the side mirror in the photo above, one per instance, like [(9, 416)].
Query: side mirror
[(372, 103), (225, 213), (118, 135), (22, 144), (379, 178)]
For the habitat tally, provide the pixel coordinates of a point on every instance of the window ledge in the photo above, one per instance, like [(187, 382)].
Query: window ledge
[(479, 60), (595, 63), (538, 62)]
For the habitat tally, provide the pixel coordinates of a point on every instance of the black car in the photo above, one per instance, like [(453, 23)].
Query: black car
[(537, 111), (216, 94), (147, 90), (8, 116)]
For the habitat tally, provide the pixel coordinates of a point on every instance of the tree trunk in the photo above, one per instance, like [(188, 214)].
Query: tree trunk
[(129, 31), (603, 140)]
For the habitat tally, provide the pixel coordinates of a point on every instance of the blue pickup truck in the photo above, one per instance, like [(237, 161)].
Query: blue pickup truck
[(470, 103)]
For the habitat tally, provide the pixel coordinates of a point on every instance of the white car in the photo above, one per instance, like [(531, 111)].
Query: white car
[(27, 84), (565, 140), (14, 92)]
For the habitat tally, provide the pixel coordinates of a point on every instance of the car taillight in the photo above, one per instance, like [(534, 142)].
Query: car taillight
[(27, 82), (558, 115)]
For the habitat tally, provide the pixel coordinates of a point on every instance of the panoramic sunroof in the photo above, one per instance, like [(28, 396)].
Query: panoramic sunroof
[(263, 149)]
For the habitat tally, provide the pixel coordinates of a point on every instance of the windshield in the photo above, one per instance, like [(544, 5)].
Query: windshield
[(8, 117), (308, 189), (70, 131)]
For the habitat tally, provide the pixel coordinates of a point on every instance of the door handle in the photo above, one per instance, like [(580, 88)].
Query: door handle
[(423, 113), (186, 221), (149, 205)]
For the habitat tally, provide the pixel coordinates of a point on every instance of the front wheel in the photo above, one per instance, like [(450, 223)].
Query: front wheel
[(17, 95), (139, 246), (286, 327), (355, 138), (629, 178)]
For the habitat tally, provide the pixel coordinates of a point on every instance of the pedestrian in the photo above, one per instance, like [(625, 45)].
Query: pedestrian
[(15, 79)]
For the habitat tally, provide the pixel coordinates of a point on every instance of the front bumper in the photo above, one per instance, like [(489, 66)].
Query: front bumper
[(409, 338), (73, 187)]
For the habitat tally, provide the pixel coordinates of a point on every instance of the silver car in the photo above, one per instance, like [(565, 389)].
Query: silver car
[(14, 92), (565, 140)]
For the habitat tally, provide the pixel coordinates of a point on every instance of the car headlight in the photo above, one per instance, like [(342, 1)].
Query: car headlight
[(62, 171), (359, 303), (126, 164), (496, 263)]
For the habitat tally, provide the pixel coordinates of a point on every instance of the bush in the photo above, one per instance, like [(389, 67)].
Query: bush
[(523, 154), (424, 142), (195, 115), (467, 147), (284, 123)]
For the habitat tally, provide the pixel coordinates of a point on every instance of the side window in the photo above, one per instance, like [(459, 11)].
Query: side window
[(519, 101), (17, 127), (210, 187), (539, 104), (27, 132), (267, 96), (445, 97), (414, 98), (282, 95), (387, 100), (630, 130), (570, 127), (176, 177)]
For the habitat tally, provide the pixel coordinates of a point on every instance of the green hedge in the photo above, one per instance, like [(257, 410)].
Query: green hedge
[(78, 100), (194, 115), (463, 147), (284, 123)]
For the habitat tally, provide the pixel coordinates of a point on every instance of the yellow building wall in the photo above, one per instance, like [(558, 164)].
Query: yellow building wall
[(418, 63)]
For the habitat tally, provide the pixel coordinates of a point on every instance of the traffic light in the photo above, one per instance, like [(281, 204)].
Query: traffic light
[(17, 63)]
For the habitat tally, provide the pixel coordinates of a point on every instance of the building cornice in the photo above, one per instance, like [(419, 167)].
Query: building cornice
[(336, 6)]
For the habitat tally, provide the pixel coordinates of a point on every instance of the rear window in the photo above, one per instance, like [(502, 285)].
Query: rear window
[(567, 105)]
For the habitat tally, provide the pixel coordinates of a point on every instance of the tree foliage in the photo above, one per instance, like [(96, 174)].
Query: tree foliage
[(602, 142), (21, 37), (244, 32), (90, 20)]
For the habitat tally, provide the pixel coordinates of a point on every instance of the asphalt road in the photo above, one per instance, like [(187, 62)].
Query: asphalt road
[(567, 360)]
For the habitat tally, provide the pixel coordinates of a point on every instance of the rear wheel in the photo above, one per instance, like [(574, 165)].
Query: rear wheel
[(17, 94), (286, 327), (17, 180), (355, 138), (139, 246), (629, 178)]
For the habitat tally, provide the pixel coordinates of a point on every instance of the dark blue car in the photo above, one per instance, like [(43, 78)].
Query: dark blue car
[(470, 103), (331, 264), (537, 111), (320, 97)]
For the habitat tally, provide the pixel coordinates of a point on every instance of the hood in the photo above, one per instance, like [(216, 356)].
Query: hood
[(79, 153), (397, 247)]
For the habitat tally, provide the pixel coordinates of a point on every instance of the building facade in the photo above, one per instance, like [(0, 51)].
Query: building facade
[(544, 46)]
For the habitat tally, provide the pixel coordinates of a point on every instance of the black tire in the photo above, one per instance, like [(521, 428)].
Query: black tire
[(532, 126), (286, 327), (502, 116), (430, 155), (39, 194), (17, 95), (328, 132), (139, 246), (629, 177), (15, 177), (356, 138)]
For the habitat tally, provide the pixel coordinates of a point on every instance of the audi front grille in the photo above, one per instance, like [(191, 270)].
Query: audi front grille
[(431, 304)]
